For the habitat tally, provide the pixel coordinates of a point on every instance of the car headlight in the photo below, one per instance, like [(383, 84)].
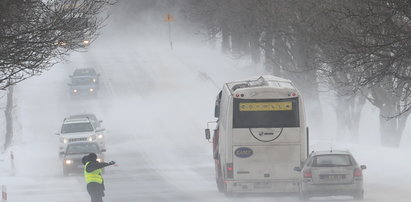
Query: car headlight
[(94, 80), (91, 89), (92, 138), (63, 140), (68, 161), (75, 91), (100, 136)]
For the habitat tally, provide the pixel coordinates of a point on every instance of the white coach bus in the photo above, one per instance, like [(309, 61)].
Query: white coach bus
[(261, 135)]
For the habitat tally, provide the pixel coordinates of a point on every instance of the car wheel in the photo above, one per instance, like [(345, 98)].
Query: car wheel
[(359, 196), (221, 186), (65, 173)]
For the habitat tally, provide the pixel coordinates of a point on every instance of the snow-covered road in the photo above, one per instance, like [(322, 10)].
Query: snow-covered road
[(155, 104)]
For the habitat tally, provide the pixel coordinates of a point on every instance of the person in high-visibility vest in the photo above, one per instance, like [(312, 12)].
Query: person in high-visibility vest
[(92, 174)]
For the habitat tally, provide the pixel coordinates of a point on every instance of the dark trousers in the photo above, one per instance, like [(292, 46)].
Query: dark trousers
[(96, 191)]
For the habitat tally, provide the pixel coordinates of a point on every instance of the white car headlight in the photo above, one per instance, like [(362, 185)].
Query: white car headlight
[(100, 136), (68, 161), (64, 140), (94, 80), (75, 91), (91, 89), (91, 138)]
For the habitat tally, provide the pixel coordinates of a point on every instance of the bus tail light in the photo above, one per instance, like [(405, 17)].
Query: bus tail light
[(293, 94), (230, 170)]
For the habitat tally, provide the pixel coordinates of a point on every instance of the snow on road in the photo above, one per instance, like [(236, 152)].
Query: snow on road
[(155, 104)]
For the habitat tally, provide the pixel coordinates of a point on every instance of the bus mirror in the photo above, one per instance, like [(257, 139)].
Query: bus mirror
[(207, 134)]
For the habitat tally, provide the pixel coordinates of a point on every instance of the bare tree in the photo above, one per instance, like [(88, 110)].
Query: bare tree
[(362, 49), (369, 42), (35, 34)]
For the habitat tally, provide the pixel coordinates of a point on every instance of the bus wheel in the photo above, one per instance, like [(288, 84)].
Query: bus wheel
[(221, 186), (219, 176)]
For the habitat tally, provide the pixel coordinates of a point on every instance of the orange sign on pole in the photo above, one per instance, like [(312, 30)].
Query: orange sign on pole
[(169, 18)]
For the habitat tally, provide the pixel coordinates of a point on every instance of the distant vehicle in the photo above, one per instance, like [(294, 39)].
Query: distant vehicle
[(92, 117), (75, 152), (261, 135), (80, 130), (83, 85), (330, 173), (87, 72)]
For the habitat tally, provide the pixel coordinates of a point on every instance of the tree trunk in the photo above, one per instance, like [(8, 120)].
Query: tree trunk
[(9, 117), (255, 48), (306, 77), (239, 43), (389, 105), (356, 105), (391, 129), (225, 43), (268, 52), (349, 110)]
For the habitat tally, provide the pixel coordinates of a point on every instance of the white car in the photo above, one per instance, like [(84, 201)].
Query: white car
[(331, 173), (80, 130)]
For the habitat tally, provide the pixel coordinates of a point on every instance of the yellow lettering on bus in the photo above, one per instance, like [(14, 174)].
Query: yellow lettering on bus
[(266, 106)]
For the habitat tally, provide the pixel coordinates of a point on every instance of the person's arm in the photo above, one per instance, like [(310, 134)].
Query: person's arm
[(96, 165)]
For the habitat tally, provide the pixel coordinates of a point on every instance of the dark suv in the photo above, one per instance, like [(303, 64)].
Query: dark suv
[(75, 152), (87, 72), (83, 85)]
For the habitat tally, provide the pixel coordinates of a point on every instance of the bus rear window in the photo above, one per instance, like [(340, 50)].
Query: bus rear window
[(265, 113)]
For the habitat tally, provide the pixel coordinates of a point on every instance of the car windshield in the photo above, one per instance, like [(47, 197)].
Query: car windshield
[(76, 127), (82, 149), (332, 160), (89, 116), (82, 72), (82, 81)]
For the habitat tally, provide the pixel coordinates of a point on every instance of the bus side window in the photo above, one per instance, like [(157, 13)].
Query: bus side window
[(217, 105)]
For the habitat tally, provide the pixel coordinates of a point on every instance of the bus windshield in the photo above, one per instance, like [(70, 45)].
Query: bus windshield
[(265, 113)]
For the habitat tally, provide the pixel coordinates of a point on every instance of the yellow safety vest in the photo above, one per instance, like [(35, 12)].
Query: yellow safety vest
[(94, 176)]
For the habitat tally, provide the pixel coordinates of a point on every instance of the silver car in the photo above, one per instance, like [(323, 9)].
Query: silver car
[(331, 173)]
